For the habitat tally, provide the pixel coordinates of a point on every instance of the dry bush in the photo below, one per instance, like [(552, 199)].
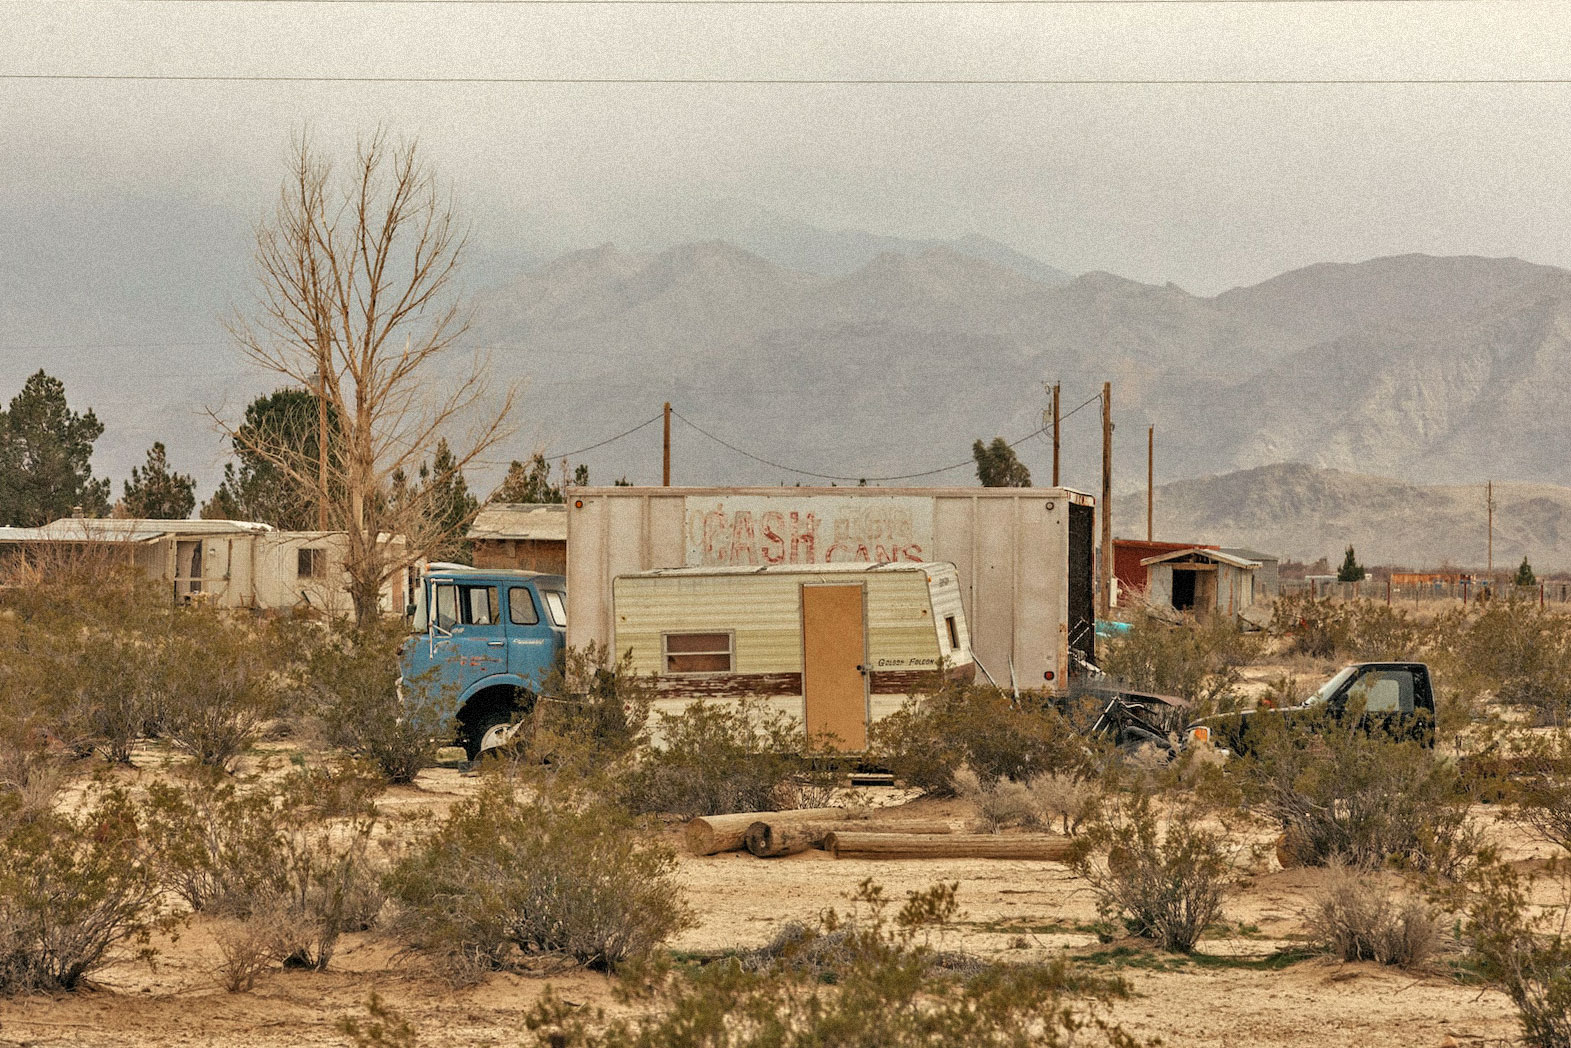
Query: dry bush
[(215, 694), (979, 727), (73, 889), (870, 978), (1046, 802), (600, 710), (1350, 793), (352, 680), (1164, 886), (247, 947), (1067, 799), (1198, 662), (1527, 956), (1357, 918), (1540, 792), (503, 878), (714, 758)]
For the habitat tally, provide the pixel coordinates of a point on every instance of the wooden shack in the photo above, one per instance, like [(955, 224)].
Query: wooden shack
[(1202, 581)]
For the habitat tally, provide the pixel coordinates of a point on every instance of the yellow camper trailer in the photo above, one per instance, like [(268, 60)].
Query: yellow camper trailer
[(835, 646)]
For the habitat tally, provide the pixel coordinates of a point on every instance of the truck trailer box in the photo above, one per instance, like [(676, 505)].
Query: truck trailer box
[(1023, 556), (834, 647)]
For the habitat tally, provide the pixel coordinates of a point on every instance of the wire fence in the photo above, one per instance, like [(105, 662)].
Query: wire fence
[(1411, 589)]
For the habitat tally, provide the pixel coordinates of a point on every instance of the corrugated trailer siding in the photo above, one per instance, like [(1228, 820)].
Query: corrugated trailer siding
[(1011, 551)]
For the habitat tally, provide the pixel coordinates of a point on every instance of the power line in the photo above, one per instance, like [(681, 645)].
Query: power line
[(603, 443), (825, 3), (592, 81)]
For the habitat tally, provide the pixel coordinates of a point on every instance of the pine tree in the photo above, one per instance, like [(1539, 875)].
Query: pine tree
[(997, 466), (1351, 570), (1524, 574), (274, 487), (45, 453), (449, 503), (530, 481), (154, 491)]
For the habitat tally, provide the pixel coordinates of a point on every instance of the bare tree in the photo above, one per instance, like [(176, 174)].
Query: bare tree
[(357, 304)]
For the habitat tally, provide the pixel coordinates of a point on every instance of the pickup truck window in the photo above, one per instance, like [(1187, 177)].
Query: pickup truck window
[(1384, 691), (521, 607)]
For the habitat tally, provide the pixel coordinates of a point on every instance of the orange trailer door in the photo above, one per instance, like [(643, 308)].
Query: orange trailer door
[(833, 650)]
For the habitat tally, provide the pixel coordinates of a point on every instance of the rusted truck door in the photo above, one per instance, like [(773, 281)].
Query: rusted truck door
[(834, 652)]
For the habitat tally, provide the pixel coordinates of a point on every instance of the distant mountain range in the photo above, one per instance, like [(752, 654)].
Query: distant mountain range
[(824, 354)]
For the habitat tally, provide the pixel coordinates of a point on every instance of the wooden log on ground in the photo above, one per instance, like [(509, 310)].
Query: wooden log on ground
[(1038, 846), (768, 839), (711, 834)]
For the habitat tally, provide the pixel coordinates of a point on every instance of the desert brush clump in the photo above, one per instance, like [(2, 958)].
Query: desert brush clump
[(1525, 954), (929, 739), (76, 890), (713, 758), (506, 879), (1197, 662), (1358, 918), (1166, 883), (1050, 801)]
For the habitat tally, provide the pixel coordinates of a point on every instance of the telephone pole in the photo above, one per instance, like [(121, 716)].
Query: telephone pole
[(1055, 434), (1489, 505), (665, 468), (1150, 478), (1105, 588), (321, 433)]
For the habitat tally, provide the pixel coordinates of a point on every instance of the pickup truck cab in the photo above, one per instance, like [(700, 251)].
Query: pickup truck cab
[(483, 641), (1393, 697)]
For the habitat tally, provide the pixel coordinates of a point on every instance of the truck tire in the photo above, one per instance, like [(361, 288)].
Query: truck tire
[(490, 719)]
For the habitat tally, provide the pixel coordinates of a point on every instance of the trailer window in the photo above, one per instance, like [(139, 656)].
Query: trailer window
[(311, 563), (954, 632), (698, 653), (521, 607)]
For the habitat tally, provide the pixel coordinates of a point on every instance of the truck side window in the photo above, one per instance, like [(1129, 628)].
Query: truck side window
[(446, 607), (1384, 691), (521, 607), (480, 606)]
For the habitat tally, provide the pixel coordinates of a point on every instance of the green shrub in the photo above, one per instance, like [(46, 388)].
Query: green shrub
[(1343, 792), (1198, 662), (1528, 957), (714, 758), (1541, 791), (1164, 886), (73, 888), (352, 678), (929, 739), (214, 692), (1357, 919), (502, 877)]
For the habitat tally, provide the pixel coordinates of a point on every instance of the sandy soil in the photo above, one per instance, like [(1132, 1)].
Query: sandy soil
[(1015, 910)]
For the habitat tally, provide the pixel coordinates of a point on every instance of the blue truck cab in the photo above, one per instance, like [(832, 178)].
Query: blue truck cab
[(483, 642)]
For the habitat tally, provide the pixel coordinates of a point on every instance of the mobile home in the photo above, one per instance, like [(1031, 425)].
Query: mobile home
[(833, 646)]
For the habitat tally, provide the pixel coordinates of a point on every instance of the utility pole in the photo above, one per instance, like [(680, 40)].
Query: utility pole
[(1055, 434), (1150, 478), (1105, 590), (1489, 505), (665, 468), (321, 434)]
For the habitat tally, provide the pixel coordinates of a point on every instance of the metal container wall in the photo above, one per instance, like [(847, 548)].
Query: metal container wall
[(1010, 546)]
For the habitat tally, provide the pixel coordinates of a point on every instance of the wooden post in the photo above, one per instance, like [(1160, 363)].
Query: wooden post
[(1105, 597), (1150, 477), (1055, 434), (1388, 591), (1489, 503), (665, 467), (321, 436)]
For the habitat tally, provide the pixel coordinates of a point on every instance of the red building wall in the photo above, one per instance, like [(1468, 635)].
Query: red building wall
[(1128, 553)]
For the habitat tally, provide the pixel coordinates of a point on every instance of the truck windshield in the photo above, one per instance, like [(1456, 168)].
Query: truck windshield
[(1330, 687)]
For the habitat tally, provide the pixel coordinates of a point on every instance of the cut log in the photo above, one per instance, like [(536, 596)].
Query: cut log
[(711, 834), (768, 839), (1040, 846)]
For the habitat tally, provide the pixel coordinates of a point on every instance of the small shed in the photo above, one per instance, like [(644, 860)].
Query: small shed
[(1202, 581), (1268, 578), (531, 536), (1130, 555)]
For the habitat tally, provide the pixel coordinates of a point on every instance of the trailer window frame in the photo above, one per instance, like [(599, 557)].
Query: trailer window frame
[(689, 656)]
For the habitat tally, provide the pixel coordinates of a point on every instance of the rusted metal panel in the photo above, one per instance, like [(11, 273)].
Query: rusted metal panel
[(729, 685)]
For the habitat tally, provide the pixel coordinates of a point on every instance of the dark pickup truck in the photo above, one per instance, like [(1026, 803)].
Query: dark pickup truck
[(1394, 697)]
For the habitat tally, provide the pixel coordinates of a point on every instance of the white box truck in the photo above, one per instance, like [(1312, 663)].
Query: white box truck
[(1023, 556)]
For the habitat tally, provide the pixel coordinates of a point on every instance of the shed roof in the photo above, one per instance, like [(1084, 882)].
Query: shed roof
[(1249, 554), (1197, 553), (534, 521)]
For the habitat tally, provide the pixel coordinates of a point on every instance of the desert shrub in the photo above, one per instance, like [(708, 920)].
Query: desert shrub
[(1523, 654), (214, 693), (1526, 956), (293, 858), (1541, 790), (1045, 802), (1358, 919), (73, 888), (1343, 792), (352, 678), (1198, 662), (931, 737), (1164, 886), (502, 877), (1317, 628), (714, 758), (878, 983), (598, 706)]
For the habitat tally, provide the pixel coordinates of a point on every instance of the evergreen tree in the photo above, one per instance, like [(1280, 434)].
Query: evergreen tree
[(1524, 574), (997, 466), (531, 481), (155, 491), (273, 487), (1351, 570), (45, 453), (448, 502)]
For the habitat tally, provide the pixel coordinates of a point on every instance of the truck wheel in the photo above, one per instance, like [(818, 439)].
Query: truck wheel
[(493, 727)]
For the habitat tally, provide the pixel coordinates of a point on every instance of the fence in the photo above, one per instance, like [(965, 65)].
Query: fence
[(1467, 591)]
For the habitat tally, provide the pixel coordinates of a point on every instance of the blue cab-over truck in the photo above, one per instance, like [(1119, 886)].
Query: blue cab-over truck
[(483, 642)]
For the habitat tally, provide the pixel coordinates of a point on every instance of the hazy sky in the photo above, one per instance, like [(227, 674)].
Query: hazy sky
[(1206, 185)]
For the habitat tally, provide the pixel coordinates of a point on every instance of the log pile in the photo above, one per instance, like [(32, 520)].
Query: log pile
[(1039, 846), (777, 833)]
